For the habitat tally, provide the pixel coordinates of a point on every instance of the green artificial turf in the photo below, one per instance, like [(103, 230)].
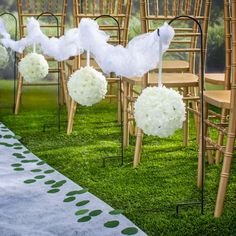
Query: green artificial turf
[(147, 195)]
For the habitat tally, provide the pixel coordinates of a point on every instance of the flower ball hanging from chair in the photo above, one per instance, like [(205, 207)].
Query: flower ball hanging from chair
[(4, 57), (33, 67), (159, 111), (87, 86)]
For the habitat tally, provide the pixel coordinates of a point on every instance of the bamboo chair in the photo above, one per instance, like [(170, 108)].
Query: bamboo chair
[(179, 74), (33, 8), (222, 79), (224, 99), (119, 10)]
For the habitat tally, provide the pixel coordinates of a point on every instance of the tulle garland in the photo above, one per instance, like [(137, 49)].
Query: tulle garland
[(140, 55)]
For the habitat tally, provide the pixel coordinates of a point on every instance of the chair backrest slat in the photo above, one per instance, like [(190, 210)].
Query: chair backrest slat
[(32, 8), (154, 13), (119, 9), (165, 8)]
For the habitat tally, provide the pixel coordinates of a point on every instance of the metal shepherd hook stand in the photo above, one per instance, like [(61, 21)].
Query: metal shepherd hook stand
[(120, 94), (15, 71), (58, 75), (201, 202)]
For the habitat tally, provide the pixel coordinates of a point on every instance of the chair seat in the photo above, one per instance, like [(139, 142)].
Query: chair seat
[(168, 79), (215, 78), (175, 79), (218, 98)]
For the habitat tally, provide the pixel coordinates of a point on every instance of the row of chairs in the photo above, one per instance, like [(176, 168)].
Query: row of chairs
[(181, 66), (225, 100), (179, 74), (117, 10)]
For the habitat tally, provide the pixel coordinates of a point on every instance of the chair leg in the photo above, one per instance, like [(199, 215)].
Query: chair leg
[(125, 114), (111, 91), (225, 173), (64, 86), (18, 95), (220, 138), (186, 122), (195, 116), (200, 163), (71, 116), (210, 157), (131, 116), (138, 147), (118, 102), (131, 128)]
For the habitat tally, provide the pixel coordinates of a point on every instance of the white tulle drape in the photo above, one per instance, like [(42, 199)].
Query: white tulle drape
[(140, 55)]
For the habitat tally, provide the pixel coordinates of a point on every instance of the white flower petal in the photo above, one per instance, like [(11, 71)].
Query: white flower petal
[(154, 113), (33, 67), (87, 86)]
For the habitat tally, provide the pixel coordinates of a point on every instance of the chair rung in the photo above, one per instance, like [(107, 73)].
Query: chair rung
[(217, 126), (153, 17), (181, 41), (36, 14), (187, 34), (55, 70), (96, 15), (41, 84), (45, 26), (191, 98), (214, 145), (135, 92), (217, 115), (111, 96), (194, 111), (184, 50)]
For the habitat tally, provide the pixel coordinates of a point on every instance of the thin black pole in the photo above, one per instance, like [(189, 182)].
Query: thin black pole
[(117, 22), (121, 124), (58, 67), (120, 85), (202, 103), (14, 70)]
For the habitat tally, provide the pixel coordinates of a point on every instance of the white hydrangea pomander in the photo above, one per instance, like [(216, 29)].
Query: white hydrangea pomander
[(87, 86), (159, 111), (33, 67), (4, 58)]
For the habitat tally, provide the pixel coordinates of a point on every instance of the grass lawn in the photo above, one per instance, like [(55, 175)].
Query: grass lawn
[(148, 195)]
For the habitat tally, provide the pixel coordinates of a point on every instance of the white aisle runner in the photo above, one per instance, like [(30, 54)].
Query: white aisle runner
[(36, 200)]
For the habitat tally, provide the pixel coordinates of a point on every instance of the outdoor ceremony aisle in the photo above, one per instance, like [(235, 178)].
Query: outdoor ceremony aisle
[(37, 200)]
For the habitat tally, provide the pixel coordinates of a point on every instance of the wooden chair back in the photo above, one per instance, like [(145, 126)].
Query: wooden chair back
[(119, 12), (185, 44), (231, 133), (32, 8), (118, 9), (52, 27)]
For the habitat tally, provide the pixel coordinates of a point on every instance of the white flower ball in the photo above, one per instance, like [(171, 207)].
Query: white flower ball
[(4, 58), (159, 111), (87, 86), (33, 67)]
